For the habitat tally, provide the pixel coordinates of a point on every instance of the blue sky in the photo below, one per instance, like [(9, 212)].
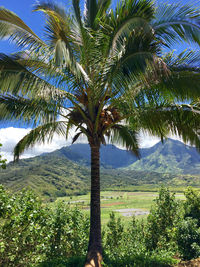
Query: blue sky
[(11, 133), (35, 20)]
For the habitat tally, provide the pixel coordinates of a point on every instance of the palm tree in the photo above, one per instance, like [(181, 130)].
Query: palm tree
[(103, 72)]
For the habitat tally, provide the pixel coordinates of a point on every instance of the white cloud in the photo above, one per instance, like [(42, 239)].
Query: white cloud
[(147, 141), (10, 136)]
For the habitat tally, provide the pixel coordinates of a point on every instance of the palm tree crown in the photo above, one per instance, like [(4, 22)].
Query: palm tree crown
[(103, 71)]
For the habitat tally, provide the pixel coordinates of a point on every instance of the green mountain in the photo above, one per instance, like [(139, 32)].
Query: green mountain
[(66, 171), (110, 156), (170, 157), (52, 176)]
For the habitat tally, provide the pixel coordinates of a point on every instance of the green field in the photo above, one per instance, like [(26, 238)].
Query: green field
[(113, 200)]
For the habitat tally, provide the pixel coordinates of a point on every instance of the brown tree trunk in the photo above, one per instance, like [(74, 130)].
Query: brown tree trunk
[(94, 255)]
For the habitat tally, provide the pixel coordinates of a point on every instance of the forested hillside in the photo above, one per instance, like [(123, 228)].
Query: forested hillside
[(66, 172)]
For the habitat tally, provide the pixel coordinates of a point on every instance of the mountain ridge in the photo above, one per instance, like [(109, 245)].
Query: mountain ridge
[(66, 171), (170, 156)]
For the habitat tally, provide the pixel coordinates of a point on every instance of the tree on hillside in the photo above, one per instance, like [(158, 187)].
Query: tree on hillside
[(2, 161), (102, 71)]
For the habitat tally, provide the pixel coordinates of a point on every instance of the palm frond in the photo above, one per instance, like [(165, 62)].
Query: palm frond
[(177, 22), (103, 6), (16, 108), (126, 136), (90, 12), (126, 10), (174, 77), (129, 17), (180, 120), (17, 79), (187, 60), (77, 11), (39, 135), (14, 29), (180, 85), (75, 138), (59, 32)]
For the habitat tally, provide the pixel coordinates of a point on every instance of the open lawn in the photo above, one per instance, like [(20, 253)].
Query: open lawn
[(124, 204)]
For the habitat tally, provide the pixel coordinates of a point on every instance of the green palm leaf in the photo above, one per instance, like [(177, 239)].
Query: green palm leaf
[(23, 109), (175, 22), (125, 136), (12, 27), (40, 135), (179, 120), (90, 12)]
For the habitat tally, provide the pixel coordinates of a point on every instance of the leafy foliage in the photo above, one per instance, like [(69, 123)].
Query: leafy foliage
[(127, 246), (162, 220), (188, 233), (192, 205), (57, 236), (31, 232), (188, 239), (2, 161)]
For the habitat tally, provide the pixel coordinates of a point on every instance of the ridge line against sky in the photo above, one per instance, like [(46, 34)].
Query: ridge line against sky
[(11, 133)]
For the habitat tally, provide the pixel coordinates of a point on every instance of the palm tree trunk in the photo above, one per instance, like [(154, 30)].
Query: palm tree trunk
[(94, 255)]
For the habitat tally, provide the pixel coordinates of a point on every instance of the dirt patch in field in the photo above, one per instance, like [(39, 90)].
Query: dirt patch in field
[(140, 193), (112, 204), (131, 212), (192, 263)]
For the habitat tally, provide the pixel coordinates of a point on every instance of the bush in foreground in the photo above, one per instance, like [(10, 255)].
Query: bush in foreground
[(34, 234), (31, 233)]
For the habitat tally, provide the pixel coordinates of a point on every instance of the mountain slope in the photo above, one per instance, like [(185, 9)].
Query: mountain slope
[(48, 175), (66, 171), (170, 157), (52, 176), (110, 156)]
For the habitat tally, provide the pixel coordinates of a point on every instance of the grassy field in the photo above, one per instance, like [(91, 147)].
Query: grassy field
[(113, 200)]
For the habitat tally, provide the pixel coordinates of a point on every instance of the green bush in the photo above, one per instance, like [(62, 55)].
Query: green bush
[(114, 234), (68, 231), (162, 220), (192, 205), (126, 246), (21, 229), (32, 233), (188, 230), (188, 239), (2, 161)]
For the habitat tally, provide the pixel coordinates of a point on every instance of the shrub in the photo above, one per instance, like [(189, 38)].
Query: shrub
[(192, 205), (68, 232), (188, 239), (114, 233), (188, 230), (32, 233), (126, 246), (21, 229), (162, 221)]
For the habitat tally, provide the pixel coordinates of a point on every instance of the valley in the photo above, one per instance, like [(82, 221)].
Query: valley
[(65, 172)]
